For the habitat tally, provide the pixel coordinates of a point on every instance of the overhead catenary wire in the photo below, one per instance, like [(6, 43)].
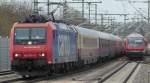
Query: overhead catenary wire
[(129, 1), (123, 5)]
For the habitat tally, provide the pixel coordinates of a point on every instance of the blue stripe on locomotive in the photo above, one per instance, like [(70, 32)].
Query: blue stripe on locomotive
[(64, 45)]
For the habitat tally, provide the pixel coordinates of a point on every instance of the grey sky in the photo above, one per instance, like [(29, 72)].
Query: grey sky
[(114, 6), (123, 7)]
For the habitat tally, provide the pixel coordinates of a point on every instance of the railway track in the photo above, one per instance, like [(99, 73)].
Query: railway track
[(133, 70), (88, 76), (100, 74), (6, 72), (121, 74), (110, 72), (17, 79)]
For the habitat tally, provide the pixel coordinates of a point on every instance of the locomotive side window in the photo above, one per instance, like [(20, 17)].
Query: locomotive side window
[(30, 36)]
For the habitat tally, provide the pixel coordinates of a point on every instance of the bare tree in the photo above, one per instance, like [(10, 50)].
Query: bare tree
[(10, 12)]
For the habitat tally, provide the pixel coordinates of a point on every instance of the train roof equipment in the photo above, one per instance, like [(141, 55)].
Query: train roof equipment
[(135, 35)]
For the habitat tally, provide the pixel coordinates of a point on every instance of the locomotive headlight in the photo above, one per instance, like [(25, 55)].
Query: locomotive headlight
[(42, 54), (16, 55)]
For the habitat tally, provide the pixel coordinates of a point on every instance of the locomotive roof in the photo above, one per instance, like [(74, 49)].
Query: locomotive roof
[(135, 35), (94, 33), (87, 32), (104, 35), (109, 36)]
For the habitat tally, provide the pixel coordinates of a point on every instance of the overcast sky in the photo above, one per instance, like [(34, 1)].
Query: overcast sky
[(123, 6), (113, 6)]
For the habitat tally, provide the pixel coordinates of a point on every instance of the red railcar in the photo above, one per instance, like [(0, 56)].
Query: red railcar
[(135, 46)]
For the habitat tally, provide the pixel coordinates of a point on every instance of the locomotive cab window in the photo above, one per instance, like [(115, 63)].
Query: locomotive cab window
[(30, 36), (135, 42)]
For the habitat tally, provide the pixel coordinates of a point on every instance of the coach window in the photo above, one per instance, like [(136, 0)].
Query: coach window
[(99, 43), (102, 43)]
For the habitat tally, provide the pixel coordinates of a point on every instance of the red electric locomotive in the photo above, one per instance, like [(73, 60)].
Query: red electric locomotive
[(29, 46), (135, 46)]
